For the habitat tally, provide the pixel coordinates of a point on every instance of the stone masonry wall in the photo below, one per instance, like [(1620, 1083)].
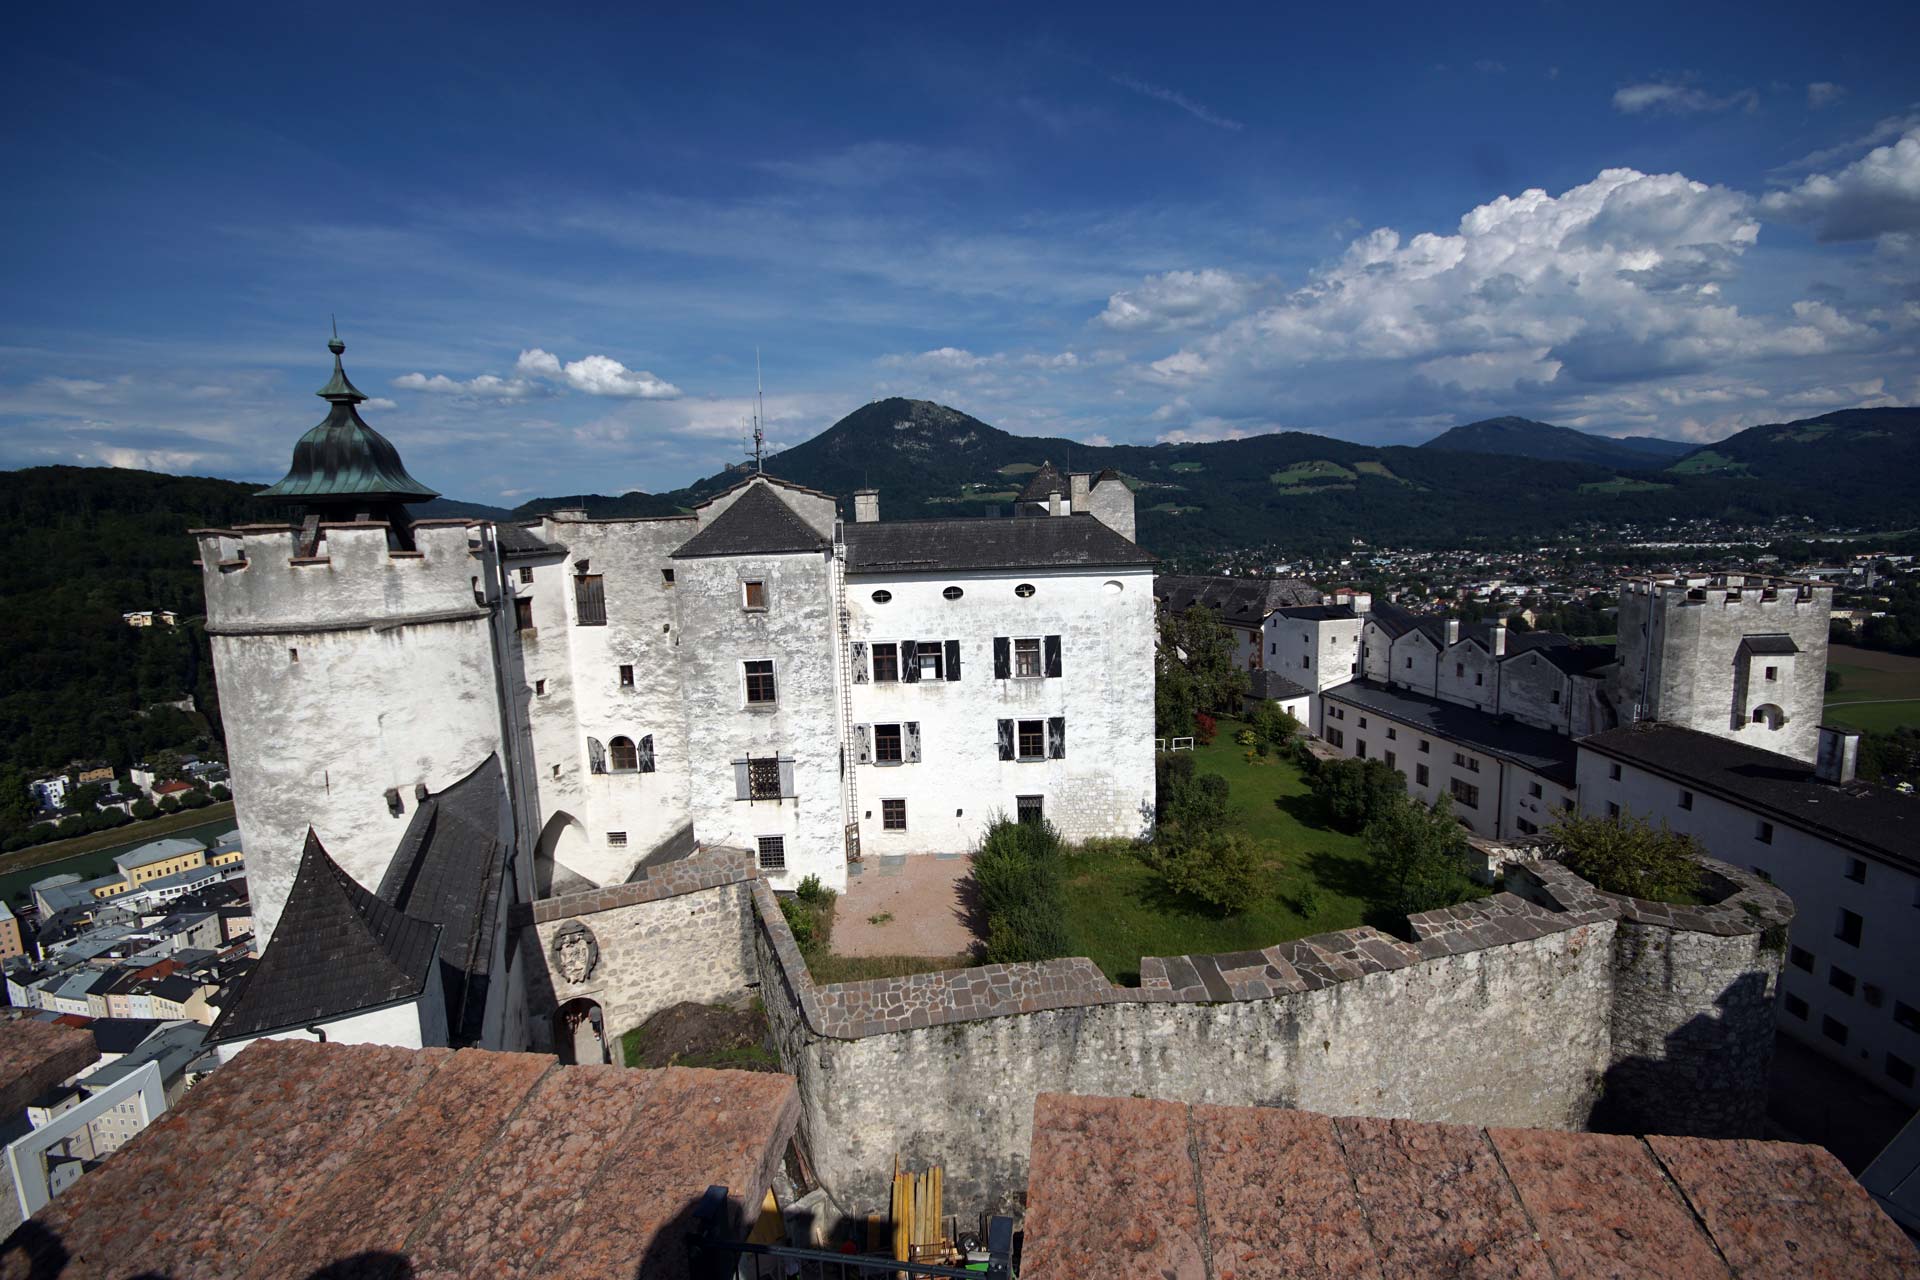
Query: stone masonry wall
[(1515, 1010), (682, 933)]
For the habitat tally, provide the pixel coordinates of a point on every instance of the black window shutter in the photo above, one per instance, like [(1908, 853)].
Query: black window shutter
[(589, 601), (953, 659), (909, 661), (1057, 737), (1006, 739), (1002, 658), (1053, 656), (646, 754)]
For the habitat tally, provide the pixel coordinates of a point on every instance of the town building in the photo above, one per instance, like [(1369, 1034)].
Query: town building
[(1241, 604)]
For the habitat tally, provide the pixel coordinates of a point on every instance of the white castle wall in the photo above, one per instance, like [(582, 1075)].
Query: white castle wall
[(346, 675), (1103, 786)]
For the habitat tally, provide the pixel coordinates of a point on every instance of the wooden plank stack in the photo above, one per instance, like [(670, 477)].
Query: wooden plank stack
[(919, 1220)]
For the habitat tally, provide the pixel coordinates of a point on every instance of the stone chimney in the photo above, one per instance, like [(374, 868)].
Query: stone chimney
[(866, 506), (1838, 754), (1081, 495), (1453, 631), (1499, 640), (1053, 502)]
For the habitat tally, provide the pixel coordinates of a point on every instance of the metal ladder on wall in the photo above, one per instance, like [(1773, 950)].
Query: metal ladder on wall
[(850, 833)]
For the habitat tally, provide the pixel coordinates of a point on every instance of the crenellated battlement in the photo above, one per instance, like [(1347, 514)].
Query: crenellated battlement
[(257, 583), (1757, 590)]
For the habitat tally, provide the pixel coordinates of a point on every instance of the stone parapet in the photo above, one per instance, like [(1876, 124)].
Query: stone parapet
[(707, 869)]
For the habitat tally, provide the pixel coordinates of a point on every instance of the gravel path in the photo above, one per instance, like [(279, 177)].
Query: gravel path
[(925, 895)]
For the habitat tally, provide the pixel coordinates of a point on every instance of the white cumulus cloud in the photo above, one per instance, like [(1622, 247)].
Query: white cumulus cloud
[(1178, 299), (487, 386), (1666, 97), (596, 375), (1876, 195)]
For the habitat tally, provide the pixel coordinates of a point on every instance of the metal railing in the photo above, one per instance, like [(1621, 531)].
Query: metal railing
[(711, 1256)]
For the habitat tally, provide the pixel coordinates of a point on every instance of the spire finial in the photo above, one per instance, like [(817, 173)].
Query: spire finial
[(334, 344)]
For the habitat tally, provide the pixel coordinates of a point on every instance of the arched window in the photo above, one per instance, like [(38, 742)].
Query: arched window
[(1769, 715), (622, 755)]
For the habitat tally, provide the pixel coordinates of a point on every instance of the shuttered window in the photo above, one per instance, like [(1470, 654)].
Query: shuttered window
[(589, 601), (1006, 739), (1052, 647), (624, 756), (1002, 657), (596, 756), (953, 660), (646, 754), (886, 663), (763, 778), (1057, 738), (910, 740), (862, 751)]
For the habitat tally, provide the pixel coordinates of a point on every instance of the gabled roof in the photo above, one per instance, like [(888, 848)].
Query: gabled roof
[(1244, 602), (758, 523), (520, 540), (1270, 684), (989, 542), (449, 871), (1876, 821), (1544, 752), (337, 950), (1047, 480), (1319, 612), (1569, 655)]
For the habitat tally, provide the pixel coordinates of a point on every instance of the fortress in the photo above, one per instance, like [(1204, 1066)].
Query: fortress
[(523, 785)]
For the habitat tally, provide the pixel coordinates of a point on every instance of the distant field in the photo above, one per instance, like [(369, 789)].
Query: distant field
[(1019, 468), (1622, 486), (1294, 490), (1318, 469), (1374, 467), (1707, 461), (1187, 466), (994, 496), (1878, 692)]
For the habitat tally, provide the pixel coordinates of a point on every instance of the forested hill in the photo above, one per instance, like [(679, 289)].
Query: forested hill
[(1299, 490), (1525, 438)]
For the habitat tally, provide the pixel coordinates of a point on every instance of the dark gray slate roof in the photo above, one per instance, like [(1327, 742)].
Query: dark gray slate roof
[(1242, 601), (1318, 612), (450, 870), (1875, 821), (1047, 480), (520, 540), (1777, 644), (758, 523), (1563, 652), (337, 949), (907, 546), (1544, 752), (1274, 686)]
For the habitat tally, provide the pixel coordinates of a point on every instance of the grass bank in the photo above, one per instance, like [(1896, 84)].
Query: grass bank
[(134, 833)]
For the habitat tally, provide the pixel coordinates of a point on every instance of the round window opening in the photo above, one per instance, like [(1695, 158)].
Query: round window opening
[(881, 597), (953, 593), (1112, 586), (1024, 590)]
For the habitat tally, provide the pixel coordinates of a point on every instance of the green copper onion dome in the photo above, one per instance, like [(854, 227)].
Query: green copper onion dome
[(344, 460)]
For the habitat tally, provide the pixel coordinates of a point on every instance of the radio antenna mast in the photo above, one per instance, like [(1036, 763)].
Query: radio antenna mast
[(759, 417)]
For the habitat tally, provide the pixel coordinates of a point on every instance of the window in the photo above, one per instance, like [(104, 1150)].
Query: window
[(882, 596), (1466, 793), (1800, 958), (1273, 648), (886, 663), (1032, 741), (1794, 1005), (1533, 789), (623, 756), (1425, 746), (1459, 670), (522, 615), (1028, 808), (763, 778), (589, 600), (929, 659), (1409, 664), (753, 596), (1613, 773), (1392, 733), (1463, 761), (1024, 591), (1420, 774), (526, 573), (1848, 929), (1834, 1030), (1773, 673), (626, 675), (1360, 748), (1527, 828), (893, 815), (760, 681), (539, 688), (666, 577), (1389, 759), (1906, 1015), (953, 593), (1336, 738), (1026, 659), (1840, 980), (1686, 798), (1305, 662), (1874, 996), (1900, 1071), (1613, 810), (773, 853), (1764, 833), (887, 748), (1479, 678), (1363, 722), (616, 839), (293, 655), (1857, 870), (1554, 697)]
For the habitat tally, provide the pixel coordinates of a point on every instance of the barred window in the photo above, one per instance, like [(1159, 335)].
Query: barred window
[(773, 853), (763, 778)]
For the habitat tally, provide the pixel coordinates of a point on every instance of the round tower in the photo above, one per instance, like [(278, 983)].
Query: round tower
[(355, 653)]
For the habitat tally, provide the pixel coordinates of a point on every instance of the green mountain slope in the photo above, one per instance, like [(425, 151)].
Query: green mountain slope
[(1525, 438), (1859, 459)]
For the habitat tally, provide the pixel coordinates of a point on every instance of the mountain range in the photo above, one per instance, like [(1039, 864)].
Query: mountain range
[(1296, 489)]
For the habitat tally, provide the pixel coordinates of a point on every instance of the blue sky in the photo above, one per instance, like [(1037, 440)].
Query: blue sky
[(554, 239)]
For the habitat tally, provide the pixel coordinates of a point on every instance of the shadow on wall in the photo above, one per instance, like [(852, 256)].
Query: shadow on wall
[(1638, 1093)]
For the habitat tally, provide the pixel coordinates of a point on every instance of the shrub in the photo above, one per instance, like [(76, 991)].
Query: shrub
[(170, 804), (812, 892), (1628, 855), (220, 793), (1354, 792), (1307, 904), (1420, 854), (1173, 770), (144, 808), (802, 922), (1274, 725), (195, 799), (1204, 728), (1197, 808), (1219, 868), (1246, 737), (1105, 846), (1017, 873)]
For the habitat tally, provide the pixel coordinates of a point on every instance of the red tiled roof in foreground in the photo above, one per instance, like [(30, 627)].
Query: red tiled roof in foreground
[(382, 1162), (1129, 1187), (35, 1056)]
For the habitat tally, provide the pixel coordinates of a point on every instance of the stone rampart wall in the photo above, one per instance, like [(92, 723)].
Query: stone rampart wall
[(1539, 1008), (681, 933)]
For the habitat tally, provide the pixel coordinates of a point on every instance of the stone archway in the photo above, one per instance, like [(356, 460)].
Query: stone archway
[(563, 845), (580, 1033)]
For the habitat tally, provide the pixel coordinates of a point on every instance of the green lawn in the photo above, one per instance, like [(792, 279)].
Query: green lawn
[(1374, 467), (1878, 691), (1117, 912), (1622, 486), (1302, 472)]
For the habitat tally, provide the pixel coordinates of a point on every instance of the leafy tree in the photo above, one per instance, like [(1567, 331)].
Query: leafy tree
[(1353, 792), (195, 799), (1197, 808), (1194, 661), (84, 799), (220, 793), (1275, 725), (1420, 854), (1628, 855), (170, 804), (144, 808), (1018, 876), (1219, 868)]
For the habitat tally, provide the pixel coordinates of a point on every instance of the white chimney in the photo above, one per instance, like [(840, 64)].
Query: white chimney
[(1453, 631), (1500, 638), (1837, 755), (1081, 489), (1053, 502), (866, 506)]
